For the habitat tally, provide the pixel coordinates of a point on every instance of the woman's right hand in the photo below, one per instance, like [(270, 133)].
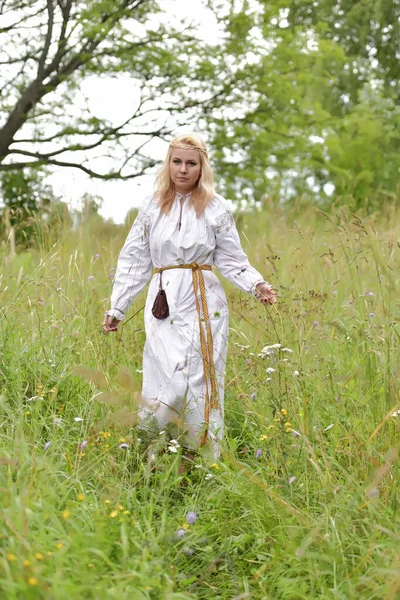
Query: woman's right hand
[(110, 324)]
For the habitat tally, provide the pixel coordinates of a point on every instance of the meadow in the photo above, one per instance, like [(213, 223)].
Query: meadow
[(303, 504)]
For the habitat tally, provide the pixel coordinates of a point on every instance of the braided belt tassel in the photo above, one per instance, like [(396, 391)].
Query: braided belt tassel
[(207, 349)]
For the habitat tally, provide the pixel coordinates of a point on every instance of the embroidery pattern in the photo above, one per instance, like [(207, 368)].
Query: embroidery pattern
[(224, 222), (142, 223)]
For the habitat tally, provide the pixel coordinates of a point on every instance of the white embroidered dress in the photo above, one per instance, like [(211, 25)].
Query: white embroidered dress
[(173, 376)]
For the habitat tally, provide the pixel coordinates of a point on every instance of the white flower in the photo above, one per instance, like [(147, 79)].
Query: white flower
[(329, 427), (271, 370), (35, 398), (295, 373), (78, 419), (268, 350), (161, 432), (209, 476), (139, 370), (173, 449), (287, 350), (269, 379), (396, 413), (174, 443)]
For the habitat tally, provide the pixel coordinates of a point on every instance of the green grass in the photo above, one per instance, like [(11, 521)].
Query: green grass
[(99, 522)]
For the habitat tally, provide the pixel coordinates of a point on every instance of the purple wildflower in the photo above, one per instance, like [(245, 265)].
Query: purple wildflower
[(188, 551), (124, 446), (253, 396), (90, 278), (47, 445), (258, 453), (191, 518), (180, 533), (292, 480), (371, 315), (296, 434), (315, 323), (96, 256), (84, 444), (110, 275)]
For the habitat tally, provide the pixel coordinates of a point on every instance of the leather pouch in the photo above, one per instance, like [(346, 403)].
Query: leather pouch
[(160, 308)]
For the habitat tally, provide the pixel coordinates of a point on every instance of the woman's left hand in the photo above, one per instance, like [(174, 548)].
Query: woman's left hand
[(265, 294)]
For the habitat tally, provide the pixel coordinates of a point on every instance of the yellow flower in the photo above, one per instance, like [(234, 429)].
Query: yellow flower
[(107, 501), (26, 563), (263, 437), (106, 446), (122, 439), (49, 553), (148, 587), (185, 526), (120, 507), (114, 514), (65, 514), (90, 565), (215, 466), (28, 412), (284, 412), (288, 424), (81, 496), (32, 581), (39, 556), (11, 557), (126, 512), (60, 545)]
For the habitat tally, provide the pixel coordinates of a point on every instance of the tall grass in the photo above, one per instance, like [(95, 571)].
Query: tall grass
[(303, 504)]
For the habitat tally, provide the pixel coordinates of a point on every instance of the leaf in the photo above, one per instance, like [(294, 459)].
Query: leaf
[(110, 398), (7, 461), (127, 381), (92, 376), (125, 418)]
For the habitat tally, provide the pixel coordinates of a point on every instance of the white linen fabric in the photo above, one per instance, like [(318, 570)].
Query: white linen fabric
[(173, 377)]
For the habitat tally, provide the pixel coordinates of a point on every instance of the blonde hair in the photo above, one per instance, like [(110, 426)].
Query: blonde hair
[(204, 190)]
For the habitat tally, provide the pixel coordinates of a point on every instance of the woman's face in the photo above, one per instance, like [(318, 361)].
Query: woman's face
[(184, 169)]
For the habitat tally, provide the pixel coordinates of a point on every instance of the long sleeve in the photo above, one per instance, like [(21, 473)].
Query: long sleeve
[(229, 256), (134, 266)]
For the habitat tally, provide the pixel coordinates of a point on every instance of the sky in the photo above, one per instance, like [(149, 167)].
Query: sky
[(111, 98)]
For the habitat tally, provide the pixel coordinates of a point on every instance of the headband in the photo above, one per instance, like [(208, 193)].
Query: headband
[(189, 147)]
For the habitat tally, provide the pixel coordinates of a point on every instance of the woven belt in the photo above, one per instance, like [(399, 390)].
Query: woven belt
[(206, 341)]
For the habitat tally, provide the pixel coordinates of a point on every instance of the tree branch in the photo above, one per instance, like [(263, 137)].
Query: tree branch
[(105, 177), (46, 47)]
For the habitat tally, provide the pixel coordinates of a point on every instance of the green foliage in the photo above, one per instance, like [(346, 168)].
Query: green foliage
[(28, 205), (315, 102), (99, 521)]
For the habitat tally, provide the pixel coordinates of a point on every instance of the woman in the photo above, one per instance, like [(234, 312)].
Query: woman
[(182, 231)]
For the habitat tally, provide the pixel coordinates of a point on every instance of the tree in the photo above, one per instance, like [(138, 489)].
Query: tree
[(315, 102), (49, 49), (27, 202)]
